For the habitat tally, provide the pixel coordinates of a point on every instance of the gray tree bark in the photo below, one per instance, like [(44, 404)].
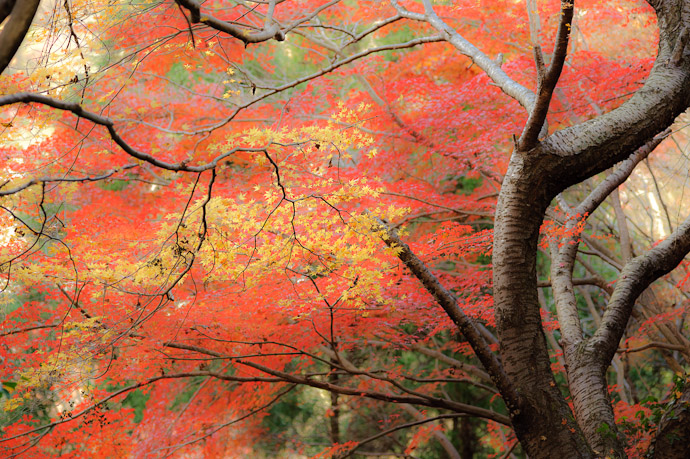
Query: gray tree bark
[(545, 424)]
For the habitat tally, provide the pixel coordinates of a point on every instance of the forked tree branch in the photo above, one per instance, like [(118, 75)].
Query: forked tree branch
[(270, 31), (619, 176), (182, 167), (387, 397), (565, 252), (109, 124), (636, 276), (547, 84)]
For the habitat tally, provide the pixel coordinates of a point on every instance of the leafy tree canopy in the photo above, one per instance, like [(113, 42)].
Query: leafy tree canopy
[(310, 228)]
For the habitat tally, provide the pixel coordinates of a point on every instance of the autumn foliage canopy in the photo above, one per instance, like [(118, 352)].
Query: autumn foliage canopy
[(218, 222)]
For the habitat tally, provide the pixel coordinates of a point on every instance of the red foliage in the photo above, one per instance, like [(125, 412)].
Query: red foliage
[(154, 282)]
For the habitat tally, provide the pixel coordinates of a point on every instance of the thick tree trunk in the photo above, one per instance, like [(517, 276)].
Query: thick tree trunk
[(592, 404), (544, 423), (540, 415)]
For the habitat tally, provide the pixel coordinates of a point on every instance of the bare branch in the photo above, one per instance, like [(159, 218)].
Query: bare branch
[(93, 178), (619, 176), (636, 276), (546, 86), (523, 95), (592, 280), (653, 345), (565, 251), (535, 31), (450, 304), (406, 425), (270, 31), (16, 26)]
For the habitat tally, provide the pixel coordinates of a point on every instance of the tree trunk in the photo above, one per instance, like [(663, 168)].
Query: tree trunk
[(544, 423)]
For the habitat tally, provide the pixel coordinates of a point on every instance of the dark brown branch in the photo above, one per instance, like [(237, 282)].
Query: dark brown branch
[(270, 31), (16, 26), (386, 397), (653, 345), (109, 124), (407, 425), (93, 178), (450, 304), (6, 8), (547, 84), (14, 331), (183, 167)]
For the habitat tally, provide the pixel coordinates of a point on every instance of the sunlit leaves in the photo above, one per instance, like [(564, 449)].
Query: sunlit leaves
[(273, 254)]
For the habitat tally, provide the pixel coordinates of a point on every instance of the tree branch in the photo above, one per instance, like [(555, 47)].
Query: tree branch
[(546, 86), (565, 251), (636, 276), (524, 96), (441, 357), (450, 304), (109, 124), (16, 26), (592, 280), (14, 331), (653, 345), (93, 178), (357, 392), (406, 425), (576, 153), (270, 31)]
